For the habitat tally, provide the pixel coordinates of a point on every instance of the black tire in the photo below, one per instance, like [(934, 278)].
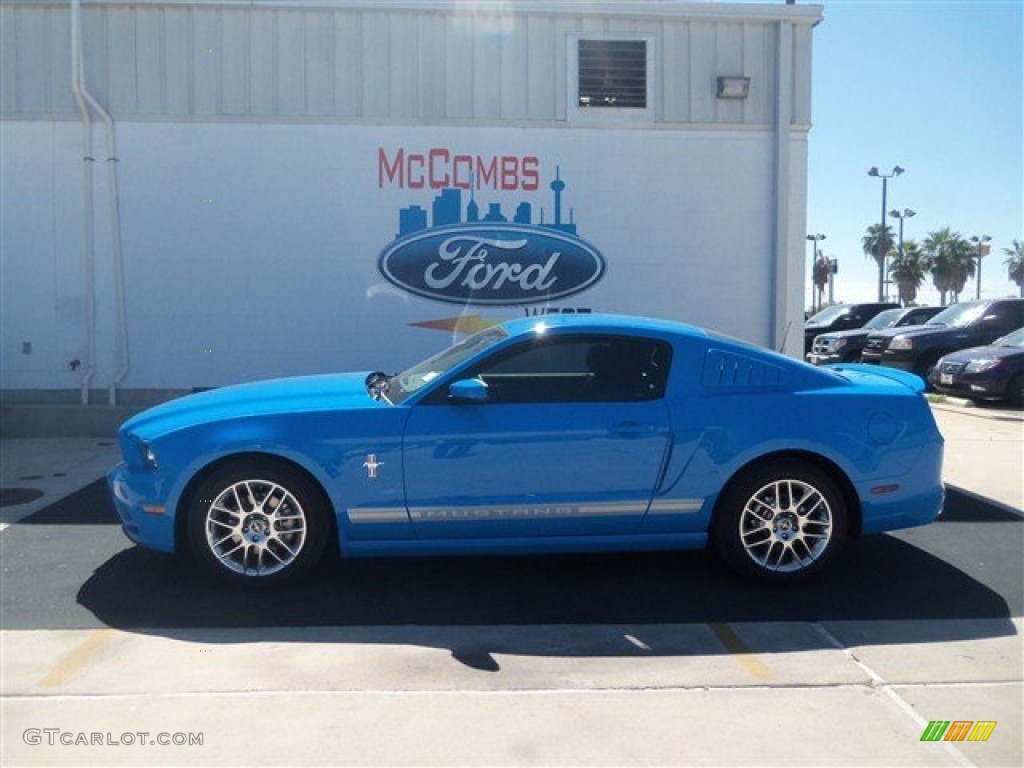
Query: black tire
[(764, 530), (274, 522)]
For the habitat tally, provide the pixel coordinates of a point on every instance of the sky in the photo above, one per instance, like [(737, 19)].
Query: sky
[(935, 88)]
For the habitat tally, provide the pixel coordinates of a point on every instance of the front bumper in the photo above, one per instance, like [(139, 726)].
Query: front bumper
[(145, 518), (816, 359), (984, 386)]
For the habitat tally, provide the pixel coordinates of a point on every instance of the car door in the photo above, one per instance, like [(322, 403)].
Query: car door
[(570, 441)]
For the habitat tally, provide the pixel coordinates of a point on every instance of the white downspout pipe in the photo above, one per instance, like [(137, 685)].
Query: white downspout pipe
[(88, 235), (114, 206), (783, 187)]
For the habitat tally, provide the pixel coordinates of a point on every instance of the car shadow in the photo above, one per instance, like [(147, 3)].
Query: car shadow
[(903, 579)]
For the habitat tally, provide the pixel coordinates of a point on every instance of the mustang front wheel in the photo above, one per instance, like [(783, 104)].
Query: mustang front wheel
[(257, 524), (782, 522)]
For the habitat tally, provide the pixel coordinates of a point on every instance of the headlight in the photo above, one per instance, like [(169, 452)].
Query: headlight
[(901, 343), (984, 364), (145, 452), (836, 344)]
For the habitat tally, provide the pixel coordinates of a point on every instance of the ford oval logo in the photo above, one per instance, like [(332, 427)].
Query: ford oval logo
[(492, 264)]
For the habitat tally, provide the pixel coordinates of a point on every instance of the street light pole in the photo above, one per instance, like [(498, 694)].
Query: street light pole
[(906, 213), (873, 171), (814, 260), (981, 245)]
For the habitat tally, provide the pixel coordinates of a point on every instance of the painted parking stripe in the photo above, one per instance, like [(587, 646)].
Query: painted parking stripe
[(744, 656), (79, 658)]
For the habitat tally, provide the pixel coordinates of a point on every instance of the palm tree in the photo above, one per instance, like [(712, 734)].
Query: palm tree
[(1015, 264), (877, 243), (820, 275), (952, 261), (907, 270)]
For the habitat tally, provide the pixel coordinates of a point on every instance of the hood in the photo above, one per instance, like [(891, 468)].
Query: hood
[(336, 391), (889, 333), (980, 353), (852, 333)]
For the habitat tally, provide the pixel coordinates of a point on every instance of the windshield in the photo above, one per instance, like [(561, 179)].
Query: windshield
[(886, 319), (958, 315), (1015, 339), (826, 316), (407, 382)]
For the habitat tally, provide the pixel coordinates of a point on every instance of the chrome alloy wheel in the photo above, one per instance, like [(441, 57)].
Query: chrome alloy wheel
[(255, 527), (786, 526)]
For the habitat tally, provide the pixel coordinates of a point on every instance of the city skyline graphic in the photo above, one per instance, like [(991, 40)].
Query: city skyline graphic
[(447, 210)]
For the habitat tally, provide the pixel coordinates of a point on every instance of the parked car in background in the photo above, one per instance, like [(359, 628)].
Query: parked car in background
[(572, 433), (992, 372), (846, 346), (841, 317), (960, 326)]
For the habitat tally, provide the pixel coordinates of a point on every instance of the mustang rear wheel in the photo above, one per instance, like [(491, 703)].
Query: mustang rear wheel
[(781, 522), (257, 524)]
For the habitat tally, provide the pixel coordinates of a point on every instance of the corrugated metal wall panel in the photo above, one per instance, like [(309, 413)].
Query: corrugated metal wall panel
[(802, 74), (208, 62), (235, 59), (675, 68), (402, 72), (363, 63), (58, 76), (376, 44), (431, 67), (32, 36), (541, 73), (515, 71), (348, 69), (149, 62), (178, 61), (291, 63), (320, 66), (728, 61), (702, 72), (756, 108), (121, 58), (486, 63)]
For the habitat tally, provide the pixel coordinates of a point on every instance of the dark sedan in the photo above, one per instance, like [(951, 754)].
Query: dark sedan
[(994, 372)]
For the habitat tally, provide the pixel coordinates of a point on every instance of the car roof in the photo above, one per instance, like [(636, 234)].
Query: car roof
[(604, 323)]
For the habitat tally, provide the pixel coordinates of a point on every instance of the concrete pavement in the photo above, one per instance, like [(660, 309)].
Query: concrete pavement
[(984, 451), (738, 695)]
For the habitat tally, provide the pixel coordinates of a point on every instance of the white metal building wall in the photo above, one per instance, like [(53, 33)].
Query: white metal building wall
[(249, 136), (385, 61)]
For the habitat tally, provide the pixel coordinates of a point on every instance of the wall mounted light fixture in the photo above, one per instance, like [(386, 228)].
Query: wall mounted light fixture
[(733, 87)]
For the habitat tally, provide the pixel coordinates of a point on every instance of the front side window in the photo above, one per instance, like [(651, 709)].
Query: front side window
[(593, 369), (407, 382), (1007, 316)]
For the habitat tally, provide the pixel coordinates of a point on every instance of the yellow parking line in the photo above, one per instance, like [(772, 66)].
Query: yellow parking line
[(741, 652), (78, 659)]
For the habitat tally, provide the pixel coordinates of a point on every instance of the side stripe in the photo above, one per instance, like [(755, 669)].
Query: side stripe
[(636, 508)]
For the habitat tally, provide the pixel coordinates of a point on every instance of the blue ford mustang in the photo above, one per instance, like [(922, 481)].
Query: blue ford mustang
[(566, 434)]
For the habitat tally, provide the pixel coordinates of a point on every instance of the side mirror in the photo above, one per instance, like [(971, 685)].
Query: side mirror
[(468, 391)]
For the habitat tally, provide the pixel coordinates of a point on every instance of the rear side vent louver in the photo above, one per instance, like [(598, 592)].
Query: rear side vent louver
[(730, 370)]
